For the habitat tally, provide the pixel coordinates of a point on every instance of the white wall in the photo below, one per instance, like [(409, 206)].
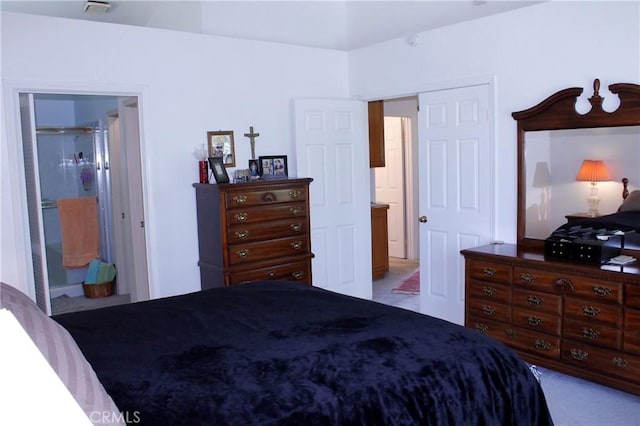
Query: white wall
[(532, 52), (188, 84)]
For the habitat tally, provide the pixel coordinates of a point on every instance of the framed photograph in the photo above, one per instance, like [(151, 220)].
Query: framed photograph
[(221, 146), (273, 167), (218, 170)]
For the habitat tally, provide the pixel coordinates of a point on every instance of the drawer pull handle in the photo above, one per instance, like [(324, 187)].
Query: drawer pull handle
[(578, 354), (242, 234), (535, 300), (490, 272), (527, 278), (600, 290), (488, 310), (488, 291), (269, 197), (240, 199), (542, 345), (563, 284), (482, 328), (295, 194), (297, 245), (295, 211), (241, 217), (590, 311), (590, 333), (297, 275), (509, 332), (534, 321), (295, 227), (271, 274), (243, 253), (619, 362)]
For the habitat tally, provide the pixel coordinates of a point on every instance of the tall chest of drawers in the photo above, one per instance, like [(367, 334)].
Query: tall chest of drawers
[(254, 231), (583, 320)]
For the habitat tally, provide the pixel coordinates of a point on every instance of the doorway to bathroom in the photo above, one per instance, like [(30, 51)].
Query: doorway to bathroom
[(83, 149)]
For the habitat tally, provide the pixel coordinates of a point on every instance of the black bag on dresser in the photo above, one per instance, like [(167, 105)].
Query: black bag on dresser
[(584, 244)]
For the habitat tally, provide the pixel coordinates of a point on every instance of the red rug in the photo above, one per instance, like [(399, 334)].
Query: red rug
[(409, 285)]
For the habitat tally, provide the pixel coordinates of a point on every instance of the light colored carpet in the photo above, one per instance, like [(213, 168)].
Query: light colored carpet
[(65, 304)]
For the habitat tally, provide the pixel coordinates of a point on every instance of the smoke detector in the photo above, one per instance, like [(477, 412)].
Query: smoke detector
[(96, 7)]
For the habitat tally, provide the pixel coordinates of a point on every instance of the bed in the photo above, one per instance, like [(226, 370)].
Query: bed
[(277, 353)]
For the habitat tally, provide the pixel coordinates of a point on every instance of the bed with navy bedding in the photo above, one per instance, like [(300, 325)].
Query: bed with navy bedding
[(278, 353)]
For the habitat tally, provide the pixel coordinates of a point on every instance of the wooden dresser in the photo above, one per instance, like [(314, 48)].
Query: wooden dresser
[(579, 319), (254, 231)]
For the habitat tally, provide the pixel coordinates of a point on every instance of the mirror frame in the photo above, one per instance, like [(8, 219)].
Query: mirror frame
[(558, 112)]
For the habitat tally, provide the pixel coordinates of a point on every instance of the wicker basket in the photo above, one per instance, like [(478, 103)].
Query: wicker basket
[(98, 290)]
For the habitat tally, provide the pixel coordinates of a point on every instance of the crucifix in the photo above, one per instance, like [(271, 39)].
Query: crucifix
[(252, 139)]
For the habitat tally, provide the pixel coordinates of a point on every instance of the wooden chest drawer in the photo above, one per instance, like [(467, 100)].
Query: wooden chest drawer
[(262, 197), (536, 301), (590, 332), (479, 290), (262, 214), (632, 295), (253, 252), (534, 342), (489, 271), (632, 331), (296, 271), (260, 231), (547, 323), (488, 309), (588, 310), (490, 328), (602, 360)]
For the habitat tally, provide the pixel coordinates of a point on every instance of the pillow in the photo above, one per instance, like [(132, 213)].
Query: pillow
[(631, 203), (64, 356)]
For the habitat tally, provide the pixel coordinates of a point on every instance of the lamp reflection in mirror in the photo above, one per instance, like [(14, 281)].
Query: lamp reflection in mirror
[(542, 180), (593, 171)]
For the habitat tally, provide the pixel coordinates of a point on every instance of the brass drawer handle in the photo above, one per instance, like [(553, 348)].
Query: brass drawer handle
[(297, 275), (534, 321), (600, 290), (242, 234), (271, 274), (590, 333), (241, 217), (294, 194), (488, 291), (590, 311), (619, 362), (295, 227), (509, 332), (535, 300), (295, 211), (490, 272), (578, 354), (542, 345), (240, 199), (243, 253), (488, 310), (297, 245), (482, 328), (527, 278)]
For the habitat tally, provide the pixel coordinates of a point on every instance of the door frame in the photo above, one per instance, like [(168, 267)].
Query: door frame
[(17, 173)]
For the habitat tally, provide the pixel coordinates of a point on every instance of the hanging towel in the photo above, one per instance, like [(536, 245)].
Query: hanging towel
[(79, 230)]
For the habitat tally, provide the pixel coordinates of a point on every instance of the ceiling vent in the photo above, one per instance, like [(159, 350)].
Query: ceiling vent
[(97, 7)]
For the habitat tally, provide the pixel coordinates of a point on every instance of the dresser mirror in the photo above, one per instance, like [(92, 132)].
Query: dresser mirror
[(553, 141)]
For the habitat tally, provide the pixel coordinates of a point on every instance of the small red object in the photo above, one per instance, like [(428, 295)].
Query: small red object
[(204, 171)]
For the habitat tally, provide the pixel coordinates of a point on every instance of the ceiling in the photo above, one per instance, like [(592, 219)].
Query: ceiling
[(332, 24)]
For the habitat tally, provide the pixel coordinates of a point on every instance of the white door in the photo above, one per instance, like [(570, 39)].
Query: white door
[(456, 182), (333, 149), (389, 184)]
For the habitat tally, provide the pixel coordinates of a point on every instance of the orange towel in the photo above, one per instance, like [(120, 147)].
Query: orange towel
[(78, 230)]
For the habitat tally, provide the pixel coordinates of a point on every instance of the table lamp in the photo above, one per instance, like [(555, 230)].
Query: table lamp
[(593, 171)]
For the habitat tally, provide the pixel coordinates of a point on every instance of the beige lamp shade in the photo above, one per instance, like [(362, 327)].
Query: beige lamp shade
[(593, 171)]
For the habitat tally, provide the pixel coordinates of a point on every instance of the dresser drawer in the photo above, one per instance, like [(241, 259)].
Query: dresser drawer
[(536, 301), (590, 332), (602, 360), (488, 309), (534, 342), (632, 331), (539, 321), (263, 197), (489, 271), (263, 214), (588, 310), (266, 231), (489, 328), (632, 296), (296, 271), (479, 290), (253, 252)]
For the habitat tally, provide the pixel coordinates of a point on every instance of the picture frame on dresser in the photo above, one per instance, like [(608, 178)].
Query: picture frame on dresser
[(220, 144), (273, 167), (218, 170)]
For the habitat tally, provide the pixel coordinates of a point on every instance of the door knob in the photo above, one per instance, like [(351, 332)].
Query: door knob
[(422, 219)]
